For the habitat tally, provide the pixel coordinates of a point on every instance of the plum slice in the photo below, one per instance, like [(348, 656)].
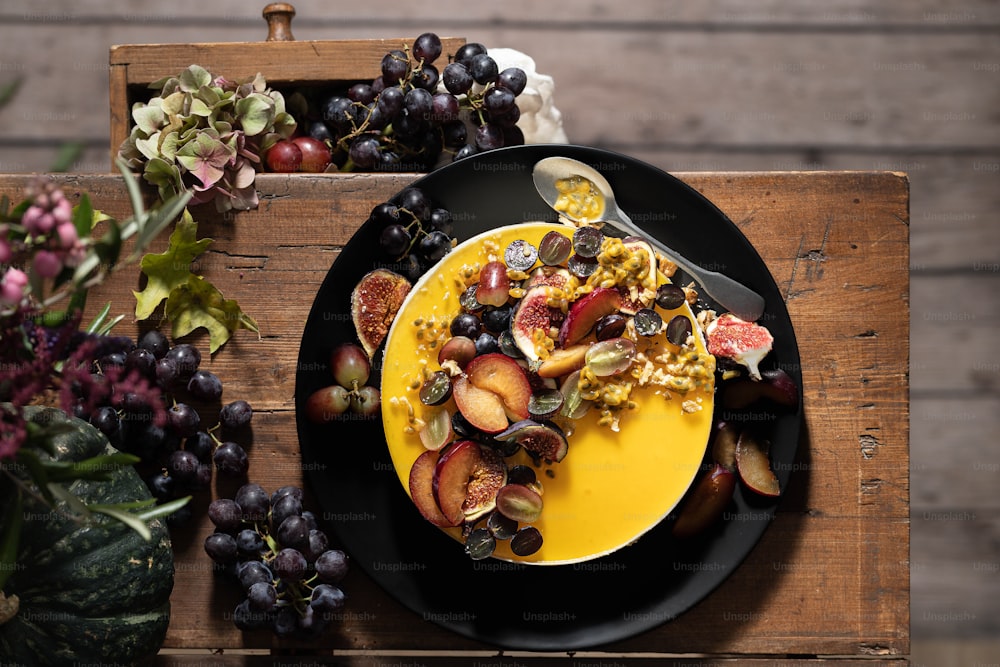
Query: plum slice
[(754, 466), (422, 488)]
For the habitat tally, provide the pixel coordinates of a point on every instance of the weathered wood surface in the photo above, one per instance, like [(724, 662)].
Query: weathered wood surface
[(831, 575)]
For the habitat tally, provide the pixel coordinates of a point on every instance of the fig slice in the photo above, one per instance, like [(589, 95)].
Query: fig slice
[(746, 343), (754, 466), (555, 276), (375, 300), (544, 440), (531, 321), (488, 476)]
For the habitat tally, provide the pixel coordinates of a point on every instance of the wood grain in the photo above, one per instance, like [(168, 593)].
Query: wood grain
[(844, 524)]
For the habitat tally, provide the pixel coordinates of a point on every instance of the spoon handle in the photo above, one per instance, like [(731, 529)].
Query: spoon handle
[(735, 297)]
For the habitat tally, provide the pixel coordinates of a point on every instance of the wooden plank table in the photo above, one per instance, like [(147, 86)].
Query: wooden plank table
[(829, 580)]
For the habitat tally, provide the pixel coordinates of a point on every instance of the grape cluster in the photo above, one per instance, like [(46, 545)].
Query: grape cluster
[(349, 394), (414, 232), (413, 113), (163, 425), (281, 559)]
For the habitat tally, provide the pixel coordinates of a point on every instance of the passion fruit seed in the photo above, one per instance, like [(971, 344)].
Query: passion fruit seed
[(587, 241), (436, 389), (610, 326), (611, 356), (480, 544), (545, 403), (527, 541), (520, 255), (647, 322), (501, 527), (678, 329), (669, 296), (554, 249), (582, 267)]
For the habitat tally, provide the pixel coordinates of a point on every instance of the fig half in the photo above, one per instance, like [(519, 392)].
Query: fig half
[(375, 301)]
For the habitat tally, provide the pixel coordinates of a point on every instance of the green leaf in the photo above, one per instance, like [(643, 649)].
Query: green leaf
[(10, 539), (98, 322), (130, 520), (148, 118), (170, 269), (198, 304), (166, 509), (256, 113), (83, 217), (36, 472), (193, 78), (74, 505)]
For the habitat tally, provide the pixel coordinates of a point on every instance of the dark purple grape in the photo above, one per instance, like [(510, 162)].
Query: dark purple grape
[(247, 619), (425, 77), (486, 343), (142, 362), (319, 131), (318, 542), (582, 267), (468, 51), (362, 93), (156, 342), (418, 103), (161, 486), (285, 622), (105, 419), (465, 324), (187, 358), (385, 214), (456, 78), (587, 241), (678, 329), (395, 66), (554, 248), (465, 151), (254, 501), (520, 255), (262, 596), (236, 415), (310, 520), (489, 137), (508, 121), (498, 101), (183, 419), (221, 547), (289, 564), (648, 322), (454, 134), (284, 507), (427, 47), (225, 514), (331, 566), (513, 79), (484, 69), (480, 544), (112, 360), (294, 532), (251, 572), (166, 372), (440, 221), (202, 478), (364, 153), (250, 543), (327, 598), (444, 108), (231, 459), (183, 466), (394, 240), (287, 490), (610, 326), (512, 135), (201, 445), (497, 319), (416, 202), (500, 526), (205, 385), (527, 541), (339, 114), (434, 245), (521, 474), (390, 101)]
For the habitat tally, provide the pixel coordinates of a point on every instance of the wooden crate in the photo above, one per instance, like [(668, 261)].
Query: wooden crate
[(285, 64)]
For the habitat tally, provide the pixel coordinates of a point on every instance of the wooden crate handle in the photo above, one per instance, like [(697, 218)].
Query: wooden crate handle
[(279, 22)]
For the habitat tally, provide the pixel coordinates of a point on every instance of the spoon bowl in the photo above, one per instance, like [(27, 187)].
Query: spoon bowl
[(735, 297)]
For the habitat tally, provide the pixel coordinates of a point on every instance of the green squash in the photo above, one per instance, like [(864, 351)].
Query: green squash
[(88, 592)]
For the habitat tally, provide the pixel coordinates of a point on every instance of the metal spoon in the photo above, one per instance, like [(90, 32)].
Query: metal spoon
[(731, 295)]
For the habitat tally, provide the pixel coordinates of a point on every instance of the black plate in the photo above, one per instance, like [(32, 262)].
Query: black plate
[(515, 606)]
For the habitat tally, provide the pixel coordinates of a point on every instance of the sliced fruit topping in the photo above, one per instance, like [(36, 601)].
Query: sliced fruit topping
[(375, 301), (531, 322), (574, 404), (754, 466), (746, 343), (488, 476), (527, 541), (679, 329), (554, 276), (554, 248), (520, 255), (545, 403), (775, 385), (494, 285), (422, 488), (519, 502), (608, 357), (544, 440), (704, 504), (459, 349), (451, 478), (437, 431), (481, 408), (480, 544), (498, 373), (585, 313), (436, 389), (724, 445), (563, 361)]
